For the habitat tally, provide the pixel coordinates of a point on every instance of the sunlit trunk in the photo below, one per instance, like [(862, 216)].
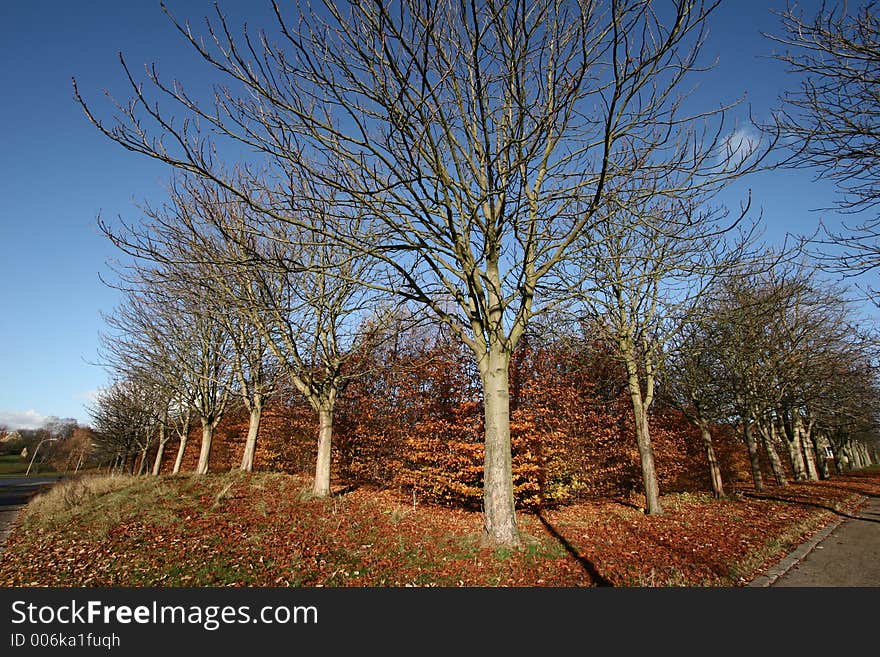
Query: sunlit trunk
[(819, 441), (157, 462), (325, 435), (180, 451), (769, 438), (796, 454), (643, 441), (205, 451), (806, 448), (160, 451), (142, 465), (250, 445), (499, 508)]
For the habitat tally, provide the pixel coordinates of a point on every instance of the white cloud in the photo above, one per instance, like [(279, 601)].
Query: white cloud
[(739, 145), (22, 419)]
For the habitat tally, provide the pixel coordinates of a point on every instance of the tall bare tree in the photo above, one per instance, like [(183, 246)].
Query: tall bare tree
[(162, 330), (693, 383), (280, 289), (480, 139), (643, 278)]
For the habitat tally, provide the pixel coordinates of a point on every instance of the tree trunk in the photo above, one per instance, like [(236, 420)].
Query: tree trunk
[(157, 462), (858, 456), (205, 452), (769, 437), (250, 445), (325, 436), (754, 457), (499, 508), (795, 452), (180, 451), (142, 465), (160, 451), (646, 452), (818, 441), (806, 446), (714, 467)]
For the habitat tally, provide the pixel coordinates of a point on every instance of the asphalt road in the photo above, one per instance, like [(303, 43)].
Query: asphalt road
[(844, 555), (14, 493)]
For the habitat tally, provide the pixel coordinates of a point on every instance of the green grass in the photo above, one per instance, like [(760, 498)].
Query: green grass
[(12, 465)]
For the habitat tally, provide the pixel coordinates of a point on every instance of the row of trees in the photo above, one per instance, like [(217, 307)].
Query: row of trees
[(485, 166)]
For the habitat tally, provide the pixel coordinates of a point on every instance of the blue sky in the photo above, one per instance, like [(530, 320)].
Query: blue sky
[(57, 173)]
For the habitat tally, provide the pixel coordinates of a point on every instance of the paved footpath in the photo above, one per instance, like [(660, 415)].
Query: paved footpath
[(846, 553)]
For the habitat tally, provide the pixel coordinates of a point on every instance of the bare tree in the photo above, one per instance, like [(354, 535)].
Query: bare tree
[(124, 418), (643, 277), (693, 382), (832, 121), (163, 332), (785, 342), (479, 139)]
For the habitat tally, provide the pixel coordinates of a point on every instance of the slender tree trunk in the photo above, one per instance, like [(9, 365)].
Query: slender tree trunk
[(250, 445), (795, 452), (640, 406), (181, 449), (754, 457), (205, 452), (325, 437), (769, 438), (819, 443), (178, 461), (806, 448), (810, 458), (160, 451), (859, 456), (797, 460), (157, 462), (142, 465), (714, 467), (499, 507)]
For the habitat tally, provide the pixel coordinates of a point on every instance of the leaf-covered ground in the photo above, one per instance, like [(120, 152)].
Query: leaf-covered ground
[(263, 530)]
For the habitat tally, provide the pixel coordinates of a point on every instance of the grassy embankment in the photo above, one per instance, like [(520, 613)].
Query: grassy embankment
[(264, 530)]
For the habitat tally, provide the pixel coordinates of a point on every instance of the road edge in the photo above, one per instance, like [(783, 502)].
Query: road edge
[(769, 576)]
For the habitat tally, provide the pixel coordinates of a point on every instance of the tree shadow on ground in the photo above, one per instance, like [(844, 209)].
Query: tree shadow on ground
[(817, 505), (585, 563)]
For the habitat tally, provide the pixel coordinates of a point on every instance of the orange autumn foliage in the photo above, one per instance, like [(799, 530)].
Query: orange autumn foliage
[(414, 423)]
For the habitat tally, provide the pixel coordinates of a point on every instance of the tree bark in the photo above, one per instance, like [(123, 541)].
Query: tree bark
[(499, 507), (157, 462), (160, 451), (250, 445), (142, 463), (205, 452), (714, 467), (754, 457), (795, 452), (819, 442), (806, 447), (643, 441), (180, 451), (769, 438), (325, 436)]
